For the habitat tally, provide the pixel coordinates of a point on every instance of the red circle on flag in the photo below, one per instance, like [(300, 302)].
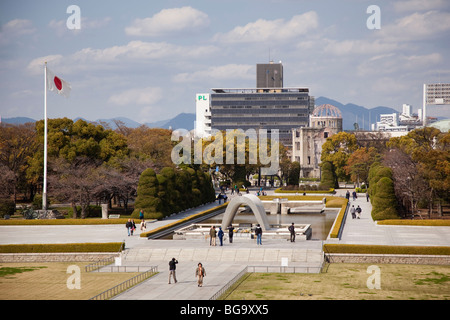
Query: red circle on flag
[(58, 83)]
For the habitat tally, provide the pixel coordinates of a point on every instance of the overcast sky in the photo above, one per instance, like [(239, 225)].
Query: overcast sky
[(146, 60)]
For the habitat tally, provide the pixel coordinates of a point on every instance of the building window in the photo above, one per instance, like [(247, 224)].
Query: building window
[(325, 135)]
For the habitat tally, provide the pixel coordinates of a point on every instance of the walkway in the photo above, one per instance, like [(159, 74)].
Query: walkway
[(366, 231)]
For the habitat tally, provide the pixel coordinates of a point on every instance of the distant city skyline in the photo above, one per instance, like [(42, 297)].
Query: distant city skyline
[(147, 60)]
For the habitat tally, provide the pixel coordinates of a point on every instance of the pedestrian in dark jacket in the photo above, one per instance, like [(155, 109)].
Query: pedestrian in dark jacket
[(220, 235), (258, 233), (230, 233), (129, 226), (292, 231), (172, 268)]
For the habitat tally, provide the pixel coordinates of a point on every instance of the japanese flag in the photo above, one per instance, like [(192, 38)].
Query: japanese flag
[(57, 84)]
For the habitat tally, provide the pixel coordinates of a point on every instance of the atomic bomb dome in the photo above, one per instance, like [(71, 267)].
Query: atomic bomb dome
[(326, 116), (326, 110)]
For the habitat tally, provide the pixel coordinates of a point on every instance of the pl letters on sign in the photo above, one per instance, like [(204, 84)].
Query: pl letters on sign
[(374, 21), (74, 21)]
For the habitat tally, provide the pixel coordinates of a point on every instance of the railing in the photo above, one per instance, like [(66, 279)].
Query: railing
[(108, 294), (282, 269), (97, 265), (229, 284)]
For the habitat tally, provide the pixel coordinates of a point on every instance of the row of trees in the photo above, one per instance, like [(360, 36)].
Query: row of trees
[(419, 165), (87, 162)]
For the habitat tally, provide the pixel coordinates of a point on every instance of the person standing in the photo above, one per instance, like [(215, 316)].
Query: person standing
[(230, 233), (141, 214), (172, 268), (292, 231), (212, 235), (220, 235), (200, 274), (133, 226), (258, 233)]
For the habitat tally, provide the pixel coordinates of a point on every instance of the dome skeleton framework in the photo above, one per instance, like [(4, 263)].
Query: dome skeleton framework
[(326, 111)]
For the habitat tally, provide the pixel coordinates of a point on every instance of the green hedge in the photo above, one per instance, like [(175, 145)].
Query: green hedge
[(399, 222), (338, 221), (280, 190), (380, 249), (62, 247), (177, 222), (62, 221)]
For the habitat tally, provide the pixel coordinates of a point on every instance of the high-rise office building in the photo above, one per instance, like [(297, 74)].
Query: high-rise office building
[(263, 107)]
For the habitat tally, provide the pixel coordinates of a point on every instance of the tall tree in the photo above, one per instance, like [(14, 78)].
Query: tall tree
[(337, 150)]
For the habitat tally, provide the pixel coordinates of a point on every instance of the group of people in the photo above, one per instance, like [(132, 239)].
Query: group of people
[(356, 212), (131, 226), (200, 272), (258, 233), (213, 233)]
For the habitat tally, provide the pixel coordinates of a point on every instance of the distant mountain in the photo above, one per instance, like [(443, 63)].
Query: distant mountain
[(127, 122), (17, 120), (181, 121), (352, 113)]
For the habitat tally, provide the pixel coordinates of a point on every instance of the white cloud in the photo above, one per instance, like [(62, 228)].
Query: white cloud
[(398, 64), (138, 96), (132, 52), (15, 28), (274, 30), (60, 27), (417, 26), (230, 71), (169, 21), (349, 47), (419, 5)]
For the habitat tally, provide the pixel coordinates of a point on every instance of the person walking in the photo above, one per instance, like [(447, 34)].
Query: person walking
[(200, 274), (291, 229), (358, 212), (230, 233), (212, 236), (141, 214), (353, 212), (347, 195), (355, 196), (143, 225), (220, 235), (129, 225), (258, 233), (133, 226), (172, 268), (367, 196)]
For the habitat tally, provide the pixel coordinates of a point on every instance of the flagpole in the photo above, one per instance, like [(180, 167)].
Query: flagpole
[(44, 192)]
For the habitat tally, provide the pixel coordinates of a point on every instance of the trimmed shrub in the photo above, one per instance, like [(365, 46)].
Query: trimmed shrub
[(380, 249), (329, 179), (148, 198), (62, 247)]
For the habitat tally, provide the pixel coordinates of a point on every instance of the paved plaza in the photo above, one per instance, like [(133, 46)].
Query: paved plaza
[(222, 264)]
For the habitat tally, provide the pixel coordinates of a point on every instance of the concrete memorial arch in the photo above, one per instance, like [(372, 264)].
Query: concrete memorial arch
[(255, 205)]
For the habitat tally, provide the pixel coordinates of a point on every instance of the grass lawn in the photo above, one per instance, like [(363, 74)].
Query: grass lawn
[(48, 281), (347, 281)]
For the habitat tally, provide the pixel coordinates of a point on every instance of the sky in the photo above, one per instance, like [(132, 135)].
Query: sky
[(146, 60)]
